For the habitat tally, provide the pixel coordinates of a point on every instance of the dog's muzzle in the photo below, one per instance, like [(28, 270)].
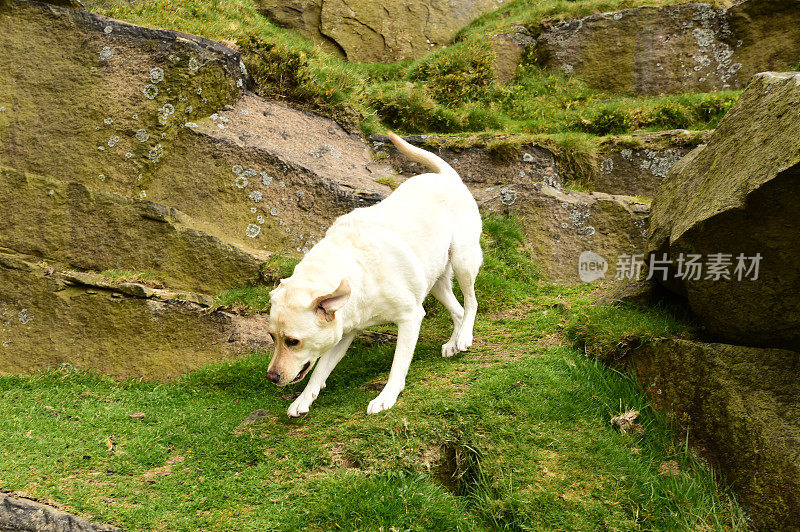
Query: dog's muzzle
[(302, 373)]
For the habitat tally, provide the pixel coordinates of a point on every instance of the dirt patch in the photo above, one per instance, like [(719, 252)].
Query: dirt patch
[(151, 475)]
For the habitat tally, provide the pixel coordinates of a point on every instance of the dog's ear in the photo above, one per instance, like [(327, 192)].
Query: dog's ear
[(280, 285), (326, 306)]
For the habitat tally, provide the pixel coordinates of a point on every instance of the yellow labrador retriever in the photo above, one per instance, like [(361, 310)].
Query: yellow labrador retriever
[(376, 265)]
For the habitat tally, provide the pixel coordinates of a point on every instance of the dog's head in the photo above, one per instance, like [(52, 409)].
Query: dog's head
[(303, 325)]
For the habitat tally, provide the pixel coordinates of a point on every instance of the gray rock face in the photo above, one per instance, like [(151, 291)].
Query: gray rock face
[(740, 404), (130, 148), (23, 515), (573, 236), (378, 31), (677, 48), (637, 164), (739, 196)]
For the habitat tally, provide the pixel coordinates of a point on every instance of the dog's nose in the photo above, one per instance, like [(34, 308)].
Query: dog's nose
[(274, 377)]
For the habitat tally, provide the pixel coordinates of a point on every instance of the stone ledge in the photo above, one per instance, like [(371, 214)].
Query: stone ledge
[(24, 515)]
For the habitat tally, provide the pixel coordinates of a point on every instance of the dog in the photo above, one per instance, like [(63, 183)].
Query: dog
[(376, 265)]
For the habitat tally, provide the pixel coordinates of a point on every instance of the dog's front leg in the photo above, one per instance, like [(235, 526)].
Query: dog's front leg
[(318, 377), (407, 335)]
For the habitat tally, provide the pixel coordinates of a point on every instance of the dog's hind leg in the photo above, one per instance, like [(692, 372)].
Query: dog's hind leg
[(466, 262), (320, 374), (407, 335), (443, 291)]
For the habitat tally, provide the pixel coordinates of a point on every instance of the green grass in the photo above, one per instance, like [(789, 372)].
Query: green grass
[(514, 434), (609, 331), (450, 90)]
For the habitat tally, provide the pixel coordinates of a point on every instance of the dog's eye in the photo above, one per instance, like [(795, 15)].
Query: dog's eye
[(291, 342)]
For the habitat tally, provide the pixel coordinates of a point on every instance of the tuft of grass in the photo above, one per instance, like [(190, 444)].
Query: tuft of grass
[(388, 181), (607, 332), (252, 298)]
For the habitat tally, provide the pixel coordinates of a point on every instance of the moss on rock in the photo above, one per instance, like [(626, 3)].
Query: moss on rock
[(55, 320), (738, 195), (674, 48), (740, 404)]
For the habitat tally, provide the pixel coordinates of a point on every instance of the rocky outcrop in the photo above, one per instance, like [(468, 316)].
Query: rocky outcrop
[(164, 116), (573, 236), (138, 149), (69, 223), (675, 48), (478, 162), (22, 515), (51, 317), (637, 164), (378, 31), (740, 405), (735, 203)]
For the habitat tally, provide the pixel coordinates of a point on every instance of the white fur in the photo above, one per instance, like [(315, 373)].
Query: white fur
[(390, 256)]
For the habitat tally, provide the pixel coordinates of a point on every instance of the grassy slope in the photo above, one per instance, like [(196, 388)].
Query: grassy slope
[(513, 434), (451, 90)]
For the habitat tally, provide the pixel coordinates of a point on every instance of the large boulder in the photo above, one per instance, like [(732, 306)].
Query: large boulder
[(739, 195), (740, 404), (573, 236), (164, 116), (128, 148), (378, 31), (674, 48), (52, 317)]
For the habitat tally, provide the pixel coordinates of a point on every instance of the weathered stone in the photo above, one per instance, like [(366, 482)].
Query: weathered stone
[(305, 16), (49, 319), (636, 164), (68, 222), (741, 405), (740, 195), (475, 163), (141, 113), (378, 31), (566, 229), (23, 515), (675, 48)]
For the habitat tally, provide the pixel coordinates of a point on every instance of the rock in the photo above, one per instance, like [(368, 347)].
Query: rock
[(507, 56), (305, 16), (675, 48), (636, 164), (634, 292), (739, 195), (477, 162), (574, 236), (138, 149), (69, 223), (142, 113), (378, 31), (740, 405), (55, 320), (22, 515)]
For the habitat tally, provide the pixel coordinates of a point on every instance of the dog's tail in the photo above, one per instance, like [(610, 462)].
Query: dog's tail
[(421, 156)]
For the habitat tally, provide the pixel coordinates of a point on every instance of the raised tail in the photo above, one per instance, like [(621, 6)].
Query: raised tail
[(434, 162)]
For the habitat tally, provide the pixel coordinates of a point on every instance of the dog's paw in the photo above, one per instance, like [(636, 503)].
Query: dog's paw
[(384, 401), (300, 406), (463, 342), (449, 349)]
